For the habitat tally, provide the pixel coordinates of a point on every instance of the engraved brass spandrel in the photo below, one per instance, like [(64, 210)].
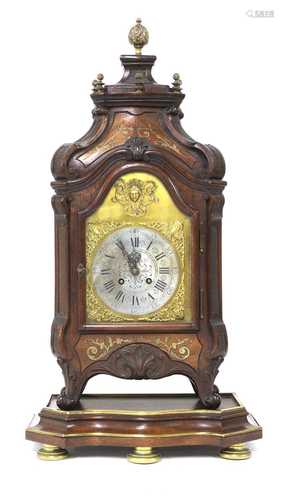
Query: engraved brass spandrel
[(158, 212)]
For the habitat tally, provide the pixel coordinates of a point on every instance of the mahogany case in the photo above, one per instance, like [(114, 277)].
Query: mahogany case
[(137, 128)]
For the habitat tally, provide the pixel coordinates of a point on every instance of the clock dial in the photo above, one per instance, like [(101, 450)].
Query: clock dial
[(135, 271)]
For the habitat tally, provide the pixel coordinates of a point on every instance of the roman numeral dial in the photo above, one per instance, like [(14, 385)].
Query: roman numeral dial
[(135, 271), (161, 285)]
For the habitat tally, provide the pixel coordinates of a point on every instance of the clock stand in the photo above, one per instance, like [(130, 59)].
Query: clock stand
[(138, 209)]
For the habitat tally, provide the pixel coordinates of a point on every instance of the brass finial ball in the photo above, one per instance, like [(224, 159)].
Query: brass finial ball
[(176, 83), (138, 36), (98, 84)]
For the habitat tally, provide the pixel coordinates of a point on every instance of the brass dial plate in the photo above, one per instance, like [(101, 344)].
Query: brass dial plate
[(137, 201)]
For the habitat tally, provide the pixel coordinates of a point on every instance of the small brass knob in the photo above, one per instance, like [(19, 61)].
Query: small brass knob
[(138, 36), (98, 84), (176, 83)]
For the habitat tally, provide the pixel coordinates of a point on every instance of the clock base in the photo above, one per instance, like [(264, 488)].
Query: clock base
[(143, 422)]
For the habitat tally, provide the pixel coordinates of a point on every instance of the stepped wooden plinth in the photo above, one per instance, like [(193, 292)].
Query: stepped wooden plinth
[(145, 422)]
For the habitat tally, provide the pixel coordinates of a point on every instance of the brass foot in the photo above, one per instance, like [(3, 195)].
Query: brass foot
[(48, 452), (236, 452), (143, 455)]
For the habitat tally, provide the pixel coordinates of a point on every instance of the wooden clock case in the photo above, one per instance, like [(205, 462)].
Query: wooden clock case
[(137, 129)]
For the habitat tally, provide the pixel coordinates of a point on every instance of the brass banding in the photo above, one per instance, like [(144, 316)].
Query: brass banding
[(144, 436), (140, 413)]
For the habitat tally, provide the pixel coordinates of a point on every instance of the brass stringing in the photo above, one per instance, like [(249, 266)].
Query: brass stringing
[(96, 310), (122, 133), (135, 195), (179, 349), (98, 348)]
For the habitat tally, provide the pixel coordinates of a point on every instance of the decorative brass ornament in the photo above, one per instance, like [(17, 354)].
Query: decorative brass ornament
[(97, 310), (135, 196), (140, 199), (98, 84), (178, 349), (98, 348), (138, 36), (176, 83)]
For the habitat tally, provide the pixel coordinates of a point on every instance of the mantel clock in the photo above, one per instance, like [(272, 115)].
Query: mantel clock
[(138, 208)]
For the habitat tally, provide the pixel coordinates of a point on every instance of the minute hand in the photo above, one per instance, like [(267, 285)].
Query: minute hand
[(122, 248), (132, 258)]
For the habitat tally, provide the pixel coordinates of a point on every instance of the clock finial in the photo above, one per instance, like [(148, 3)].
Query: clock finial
[(138, 36)]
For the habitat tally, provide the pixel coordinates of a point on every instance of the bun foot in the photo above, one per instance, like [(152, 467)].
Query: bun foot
[(143, 455), (48, 452), (236, 452)]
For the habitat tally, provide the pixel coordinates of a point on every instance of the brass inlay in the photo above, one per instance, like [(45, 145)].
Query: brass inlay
[(136, 203), (135, 195), (99, 348), (157, 436), (120, 133), (237, 399), (178, 349), (141, 413)]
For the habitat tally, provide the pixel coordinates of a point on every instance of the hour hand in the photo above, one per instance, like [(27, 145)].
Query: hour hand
[(133, 259)]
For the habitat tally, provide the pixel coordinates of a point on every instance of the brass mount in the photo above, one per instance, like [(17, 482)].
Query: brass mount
[(138, 36), (51, 453), (143, 455), (236, 452)]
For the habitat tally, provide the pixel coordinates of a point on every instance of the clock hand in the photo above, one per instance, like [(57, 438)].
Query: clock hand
[(135, 257), (132, 258), (122, 248), (133, 261)]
